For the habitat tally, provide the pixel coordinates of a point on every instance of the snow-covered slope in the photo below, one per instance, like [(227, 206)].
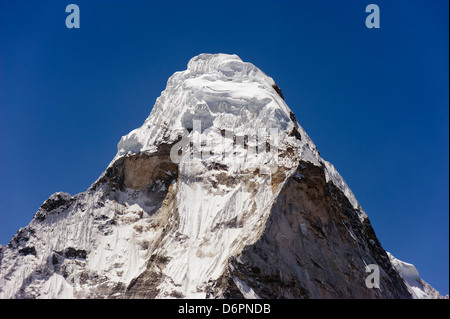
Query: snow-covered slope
[(220, 193), (419, 288)]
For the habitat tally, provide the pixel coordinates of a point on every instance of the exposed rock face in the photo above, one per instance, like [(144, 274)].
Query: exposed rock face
[(252, 215), (314, 246)]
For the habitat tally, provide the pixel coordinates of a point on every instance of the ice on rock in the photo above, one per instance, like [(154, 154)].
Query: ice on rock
[(419, 288)]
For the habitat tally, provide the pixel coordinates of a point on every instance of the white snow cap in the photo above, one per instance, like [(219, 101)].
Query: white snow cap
[(225, 93), (221, 91)]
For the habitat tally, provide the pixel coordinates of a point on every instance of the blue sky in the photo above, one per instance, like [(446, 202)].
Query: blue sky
[(375, 102)]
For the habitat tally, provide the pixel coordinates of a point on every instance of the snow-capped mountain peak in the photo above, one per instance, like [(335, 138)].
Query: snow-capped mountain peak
[(217, 95), (219, 194)]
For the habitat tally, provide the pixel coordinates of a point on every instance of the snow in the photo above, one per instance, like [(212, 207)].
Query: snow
[(117, 254), (221, 91), (332, 175), (416, 285), (56, 287), (213, 226)]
